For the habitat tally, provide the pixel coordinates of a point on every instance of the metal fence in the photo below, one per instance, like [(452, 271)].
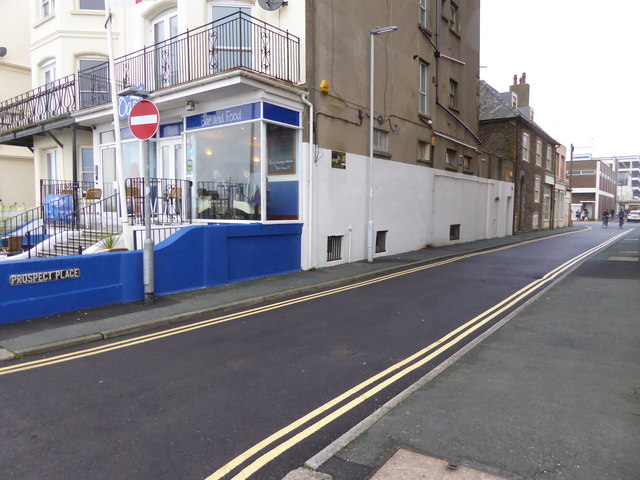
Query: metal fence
[(64, 230), (170, 200), (236, 41)]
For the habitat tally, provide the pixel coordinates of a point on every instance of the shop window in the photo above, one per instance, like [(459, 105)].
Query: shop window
[(282, 182), (225, 164), (334, 248)]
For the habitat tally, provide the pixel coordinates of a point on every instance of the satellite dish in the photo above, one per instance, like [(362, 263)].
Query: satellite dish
[(271, 5), (3, 51)]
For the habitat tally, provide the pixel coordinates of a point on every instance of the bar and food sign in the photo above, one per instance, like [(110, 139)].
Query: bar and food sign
[(42, 277)]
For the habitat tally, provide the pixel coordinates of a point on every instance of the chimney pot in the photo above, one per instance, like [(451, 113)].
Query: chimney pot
[(515, 79)]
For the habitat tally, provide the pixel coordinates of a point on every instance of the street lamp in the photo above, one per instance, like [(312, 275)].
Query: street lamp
[(370, 229)]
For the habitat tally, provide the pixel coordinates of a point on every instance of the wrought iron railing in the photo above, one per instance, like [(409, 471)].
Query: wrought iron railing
[(14, 224), (50, 101), (236, 41), (65, 231), (170, 200)]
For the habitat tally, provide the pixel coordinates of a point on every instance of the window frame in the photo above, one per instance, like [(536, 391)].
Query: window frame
[(450, 158), (47, 8), (548, 161), (422, 14), (377, 136), (425, 151), (423, 75), (80, 7), (453, 94), (538, 152), (454, 18), (525, 146), (536, 189), (52, 164)]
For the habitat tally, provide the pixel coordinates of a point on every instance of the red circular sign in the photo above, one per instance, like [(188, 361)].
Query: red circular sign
[(144, 119)]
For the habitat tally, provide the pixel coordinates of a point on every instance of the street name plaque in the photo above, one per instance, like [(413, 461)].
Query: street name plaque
[(43, 277)]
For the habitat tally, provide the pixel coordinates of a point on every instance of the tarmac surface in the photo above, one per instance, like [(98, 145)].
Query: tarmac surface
[(553, 392)]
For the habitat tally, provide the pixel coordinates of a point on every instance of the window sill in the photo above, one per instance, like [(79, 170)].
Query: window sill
[(44, 20), (456, 32), (88, 13), (425, 30), (380, 153), (424, 161), (426, 119), (451, 168)]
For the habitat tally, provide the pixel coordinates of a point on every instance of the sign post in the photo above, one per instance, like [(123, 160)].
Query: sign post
[(143, 122)]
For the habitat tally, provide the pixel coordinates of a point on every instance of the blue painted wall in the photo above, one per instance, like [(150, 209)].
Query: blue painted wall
[(196, 257)]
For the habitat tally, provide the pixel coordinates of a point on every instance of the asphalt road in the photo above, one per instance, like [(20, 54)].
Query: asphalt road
[(186, 404)]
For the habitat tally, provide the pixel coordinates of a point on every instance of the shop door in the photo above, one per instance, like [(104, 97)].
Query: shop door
[(171, 164)]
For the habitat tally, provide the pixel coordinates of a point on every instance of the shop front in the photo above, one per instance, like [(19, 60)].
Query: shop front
[(244, 163)]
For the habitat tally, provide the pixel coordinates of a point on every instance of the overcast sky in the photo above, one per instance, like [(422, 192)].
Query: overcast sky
[(582, 59)]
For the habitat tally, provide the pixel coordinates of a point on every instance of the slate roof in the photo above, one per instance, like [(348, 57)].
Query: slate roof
[(494, 107)]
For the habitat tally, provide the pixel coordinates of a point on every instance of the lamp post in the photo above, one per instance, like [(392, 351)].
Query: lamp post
[(370, 228)]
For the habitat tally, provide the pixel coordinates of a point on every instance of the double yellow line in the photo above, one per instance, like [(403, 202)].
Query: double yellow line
[(397, 371), (20, 367)]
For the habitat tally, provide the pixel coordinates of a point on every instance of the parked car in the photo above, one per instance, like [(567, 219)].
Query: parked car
[(633, 216)]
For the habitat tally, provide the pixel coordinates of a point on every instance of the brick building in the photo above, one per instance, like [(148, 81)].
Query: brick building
[(507, 129)]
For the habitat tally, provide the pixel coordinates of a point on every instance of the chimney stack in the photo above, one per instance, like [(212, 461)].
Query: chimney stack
[(521, 90)]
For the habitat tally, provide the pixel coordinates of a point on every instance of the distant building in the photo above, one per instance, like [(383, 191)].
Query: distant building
[(594, 184), (508, 129), (628, 177)]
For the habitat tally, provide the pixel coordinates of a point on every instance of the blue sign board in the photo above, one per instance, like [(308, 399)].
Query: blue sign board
[(226, 116), (281, 115), (59, 208), (125, 104), (171, 130)]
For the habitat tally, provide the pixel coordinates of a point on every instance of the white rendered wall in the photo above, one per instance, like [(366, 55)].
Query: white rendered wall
[(416, 206)]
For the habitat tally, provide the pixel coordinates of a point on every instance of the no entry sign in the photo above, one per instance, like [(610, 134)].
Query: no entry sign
[(144, 119)]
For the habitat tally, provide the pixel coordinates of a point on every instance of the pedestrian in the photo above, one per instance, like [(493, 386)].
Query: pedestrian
[(577, 214)]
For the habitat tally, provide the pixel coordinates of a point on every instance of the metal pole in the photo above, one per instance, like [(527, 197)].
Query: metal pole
[(370, 225), (147, 253)]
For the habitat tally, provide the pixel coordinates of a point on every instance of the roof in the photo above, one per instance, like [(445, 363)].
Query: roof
[(494, 107)]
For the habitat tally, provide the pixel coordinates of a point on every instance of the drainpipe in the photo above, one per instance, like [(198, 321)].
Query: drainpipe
[(310, 165)]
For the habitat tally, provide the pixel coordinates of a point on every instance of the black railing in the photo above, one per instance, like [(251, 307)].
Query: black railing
[(236, 41), (50, 101), (227, 200), (65, 231), (170, 200), (14, 224), (158, 234)]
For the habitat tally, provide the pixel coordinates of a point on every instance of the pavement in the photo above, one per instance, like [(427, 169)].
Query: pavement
[(553, 392)]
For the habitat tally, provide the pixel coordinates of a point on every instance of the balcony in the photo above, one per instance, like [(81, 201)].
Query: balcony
[(237, 41)]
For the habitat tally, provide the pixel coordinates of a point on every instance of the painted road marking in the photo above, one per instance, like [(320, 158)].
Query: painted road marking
[(624, 259), (436, 348), (400, 369), (245, 313)]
